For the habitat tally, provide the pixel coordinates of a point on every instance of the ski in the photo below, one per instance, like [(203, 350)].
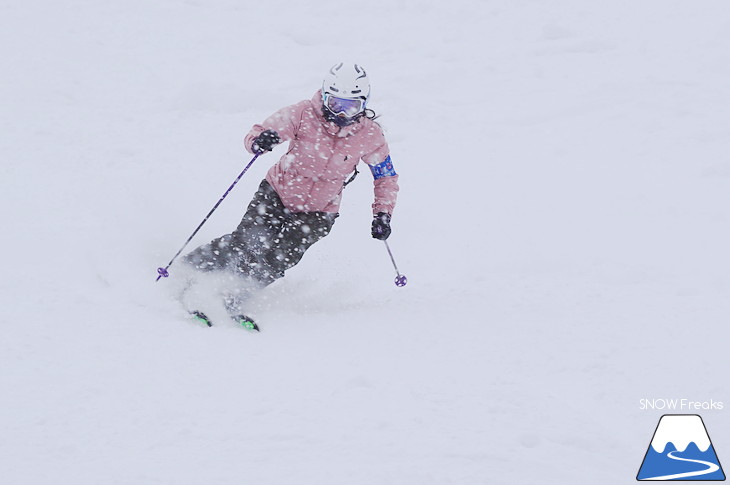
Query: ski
[(201, 317), (242, 320), (246, 322)]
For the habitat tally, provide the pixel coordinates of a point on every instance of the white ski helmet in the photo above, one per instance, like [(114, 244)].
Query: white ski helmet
[(345, 91)]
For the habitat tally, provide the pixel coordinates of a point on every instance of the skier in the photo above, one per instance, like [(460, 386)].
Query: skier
[(297, 202)]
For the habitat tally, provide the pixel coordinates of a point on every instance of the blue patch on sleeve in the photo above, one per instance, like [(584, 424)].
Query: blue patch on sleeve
[(383, 169)]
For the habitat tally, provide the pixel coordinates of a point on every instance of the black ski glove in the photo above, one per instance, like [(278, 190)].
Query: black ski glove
[(265, 142), (381, 226)]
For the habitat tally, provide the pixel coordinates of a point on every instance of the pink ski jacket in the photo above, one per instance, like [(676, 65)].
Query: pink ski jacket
[(321, 155)]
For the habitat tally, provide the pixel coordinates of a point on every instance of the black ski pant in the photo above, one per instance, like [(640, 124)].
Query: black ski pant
[(269, 240)]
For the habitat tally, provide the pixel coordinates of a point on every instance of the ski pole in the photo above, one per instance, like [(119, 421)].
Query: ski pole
[(400, 280), (162, 272)]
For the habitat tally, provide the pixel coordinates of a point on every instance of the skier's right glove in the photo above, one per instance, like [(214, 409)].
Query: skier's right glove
[(265, 142)]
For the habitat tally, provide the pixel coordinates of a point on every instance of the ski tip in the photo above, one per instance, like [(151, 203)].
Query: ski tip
[(201, 317), (246, 322)]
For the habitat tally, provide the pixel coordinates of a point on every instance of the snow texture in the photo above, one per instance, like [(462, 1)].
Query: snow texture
[(563, 222)]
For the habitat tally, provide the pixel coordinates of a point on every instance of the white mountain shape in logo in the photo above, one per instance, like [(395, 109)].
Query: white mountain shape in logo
[(681, 430)]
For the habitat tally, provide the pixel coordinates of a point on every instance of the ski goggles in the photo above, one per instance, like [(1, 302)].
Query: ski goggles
[(348, 107)]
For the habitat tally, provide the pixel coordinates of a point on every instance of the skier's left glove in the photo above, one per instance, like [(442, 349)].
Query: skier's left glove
[(265, 142), (381, 226)]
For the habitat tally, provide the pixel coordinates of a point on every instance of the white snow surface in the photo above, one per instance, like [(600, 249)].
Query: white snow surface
[(563, 222)]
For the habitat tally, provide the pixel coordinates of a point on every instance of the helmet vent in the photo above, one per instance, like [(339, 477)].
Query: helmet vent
[(346, 80)]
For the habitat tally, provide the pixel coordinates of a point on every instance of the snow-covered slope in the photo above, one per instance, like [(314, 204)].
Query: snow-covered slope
[(563, 222), (680, 430)]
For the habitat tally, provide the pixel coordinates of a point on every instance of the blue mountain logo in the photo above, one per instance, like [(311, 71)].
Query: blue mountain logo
[(681, 450)]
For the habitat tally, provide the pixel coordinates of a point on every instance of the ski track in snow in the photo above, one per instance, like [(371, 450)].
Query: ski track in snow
[(711, 468), (563, 223)]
